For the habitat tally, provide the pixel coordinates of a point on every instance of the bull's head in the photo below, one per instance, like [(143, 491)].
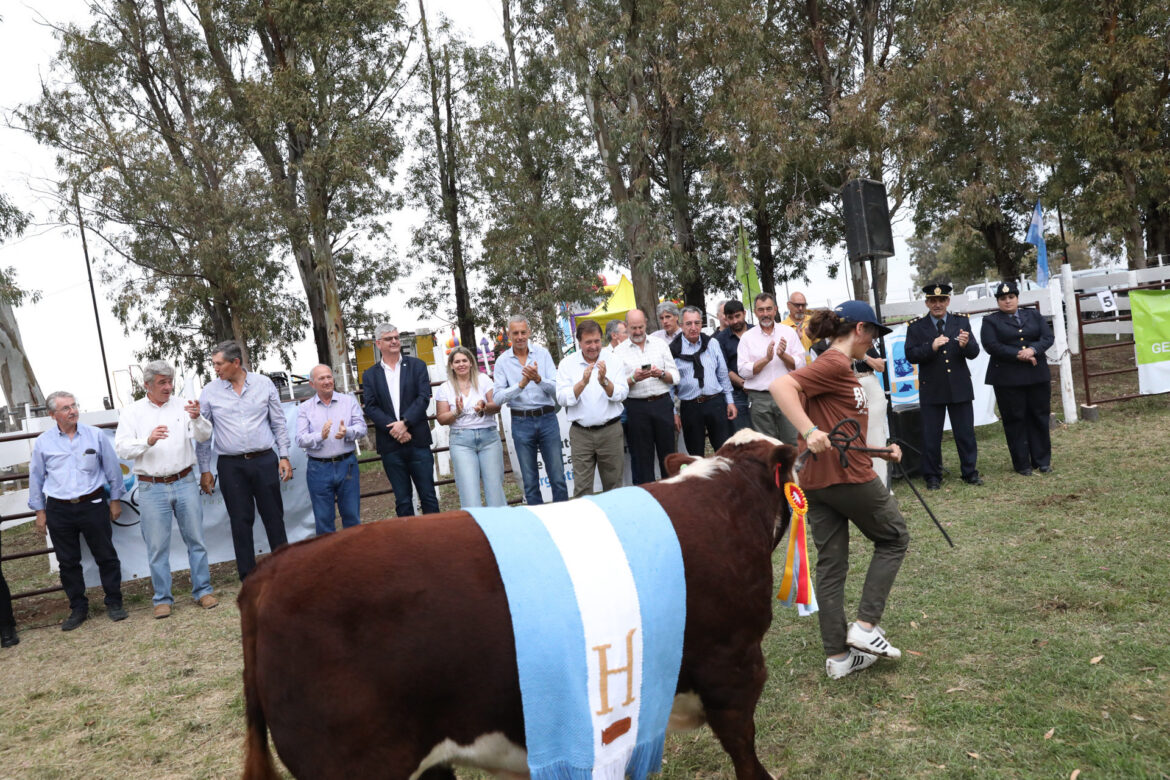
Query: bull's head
[(765, 460)]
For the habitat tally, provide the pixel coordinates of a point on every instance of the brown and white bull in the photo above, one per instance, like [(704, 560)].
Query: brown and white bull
[(387, 650)]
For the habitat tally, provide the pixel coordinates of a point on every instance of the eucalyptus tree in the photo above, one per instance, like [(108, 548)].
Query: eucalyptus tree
[(1108, 120), (316, 87), (165, 183), (544, 236)]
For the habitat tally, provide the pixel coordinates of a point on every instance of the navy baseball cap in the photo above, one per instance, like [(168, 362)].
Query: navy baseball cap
[(860, 311)]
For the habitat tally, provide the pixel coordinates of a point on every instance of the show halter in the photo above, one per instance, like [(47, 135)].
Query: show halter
[(841, 439)]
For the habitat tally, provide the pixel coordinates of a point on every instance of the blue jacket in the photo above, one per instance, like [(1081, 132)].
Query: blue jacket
[(1003, 340), (414, 395), (943, 376)]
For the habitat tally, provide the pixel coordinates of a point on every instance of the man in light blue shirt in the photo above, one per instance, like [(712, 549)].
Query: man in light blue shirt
[(525, 381), (706, 402), (328, 424), (247, 420), (71, 465)]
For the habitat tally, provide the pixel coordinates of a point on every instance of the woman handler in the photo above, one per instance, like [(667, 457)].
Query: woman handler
[(815, 398)]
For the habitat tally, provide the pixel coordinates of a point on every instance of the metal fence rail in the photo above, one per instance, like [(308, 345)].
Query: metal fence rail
[(109, 425)]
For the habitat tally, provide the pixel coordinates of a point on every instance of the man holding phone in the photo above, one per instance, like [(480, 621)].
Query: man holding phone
[(650, 418)]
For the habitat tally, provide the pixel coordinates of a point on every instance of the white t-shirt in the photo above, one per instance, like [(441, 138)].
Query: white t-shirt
[(469, 420)]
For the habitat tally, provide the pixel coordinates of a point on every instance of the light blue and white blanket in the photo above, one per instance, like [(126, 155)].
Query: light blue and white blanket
[(597, 595)]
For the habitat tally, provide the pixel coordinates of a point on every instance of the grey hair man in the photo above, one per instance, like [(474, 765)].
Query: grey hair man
[(525, 382), (244, 410), (328, 427), (668, 318), (156, 433), (72, 464), (615, 334)]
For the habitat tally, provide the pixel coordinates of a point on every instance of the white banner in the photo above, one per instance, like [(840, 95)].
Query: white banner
[(217, 532)]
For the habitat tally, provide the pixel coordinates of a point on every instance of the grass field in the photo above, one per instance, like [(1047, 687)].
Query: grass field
[(1033, 649)]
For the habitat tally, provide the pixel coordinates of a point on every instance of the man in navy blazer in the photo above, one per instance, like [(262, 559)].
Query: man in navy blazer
[(395, 394), (1017, 341), (941, 343)]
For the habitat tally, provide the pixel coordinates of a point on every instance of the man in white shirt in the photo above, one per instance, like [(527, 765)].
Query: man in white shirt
[(649, 408), (592, 393), (767, 352), (155, 432)]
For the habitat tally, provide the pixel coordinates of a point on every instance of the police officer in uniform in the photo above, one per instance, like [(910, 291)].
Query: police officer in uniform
[(1016, 341), (941, 343)]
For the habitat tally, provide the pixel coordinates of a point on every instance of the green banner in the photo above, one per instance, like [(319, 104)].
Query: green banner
[(1151, 338)]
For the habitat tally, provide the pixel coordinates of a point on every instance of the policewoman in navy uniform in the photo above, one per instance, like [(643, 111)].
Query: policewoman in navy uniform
[(941, 343), (1016, 340)]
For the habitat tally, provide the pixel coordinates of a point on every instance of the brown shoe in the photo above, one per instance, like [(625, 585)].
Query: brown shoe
[(208, 601), (162, 611)]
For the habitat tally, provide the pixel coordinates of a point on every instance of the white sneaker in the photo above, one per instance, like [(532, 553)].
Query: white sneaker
[(871, 641), (854, 662)]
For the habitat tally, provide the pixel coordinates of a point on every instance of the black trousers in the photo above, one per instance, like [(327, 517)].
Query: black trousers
[(704, 418), (1025, 410), (67, 524), (252, 485), (962, 426), (649, 431), (7, 620)]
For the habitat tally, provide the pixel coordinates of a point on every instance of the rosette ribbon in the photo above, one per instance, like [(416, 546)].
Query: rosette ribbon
[(796, 584)]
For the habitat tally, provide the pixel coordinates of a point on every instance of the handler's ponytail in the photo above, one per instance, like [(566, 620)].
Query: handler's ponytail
[(827, 324)]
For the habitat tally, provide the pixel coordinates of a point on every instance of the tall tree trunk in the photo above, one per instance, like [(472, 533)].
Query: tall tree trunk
[(767, 260), (678, 185), (448, 180), (1157, 225), (316, 269), (999, 241), (1134, 234), (17, 379)]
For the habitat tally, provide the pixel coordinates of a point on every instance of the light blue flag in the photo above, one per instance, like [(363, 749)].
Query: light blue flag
[(1036, 236)]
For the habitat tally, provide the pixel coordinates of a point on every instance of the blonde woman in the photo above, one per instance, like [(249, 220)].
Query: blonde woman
[(464, 402)]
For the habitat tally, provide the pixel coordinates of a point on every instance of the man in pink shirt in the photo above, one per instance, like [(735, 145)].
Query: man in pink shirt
[(767, 352)]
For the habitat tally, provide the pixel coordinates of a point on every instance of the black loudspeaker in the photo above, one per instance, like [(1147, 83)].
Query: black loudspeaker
[(906, 425), (867, 220)]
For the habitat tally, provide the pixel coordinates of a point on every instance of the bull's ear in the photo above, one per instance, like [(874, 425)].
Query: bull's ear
[(675, 462), (780, 462)]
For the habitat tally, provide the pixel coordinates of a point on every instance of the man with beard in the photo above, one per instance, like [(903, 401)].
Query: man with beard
[(592, 394), (728, 339), (767, 352), (649, 409)]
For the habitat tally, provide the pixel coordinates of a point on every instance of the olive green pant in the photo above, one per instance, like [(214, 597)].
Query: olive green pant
[(875, 513), (768, 419), (602, 449)]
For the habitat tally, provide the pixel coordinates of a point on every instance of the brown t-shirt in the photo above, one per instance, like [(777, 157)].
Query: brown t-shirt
[(832, 393)]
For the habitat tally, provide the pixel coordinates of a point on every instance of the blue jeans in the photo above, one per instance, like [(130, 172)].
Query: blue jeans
[(337, 481), (411, 464), (159, 503), (476, 454), (543, 433)]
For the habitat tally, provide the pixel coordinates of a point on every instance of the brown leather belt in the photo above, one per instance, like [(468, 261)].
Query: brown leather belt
[(533, 412), (99, 493), (700, 399), (167, 479), (649, 397)]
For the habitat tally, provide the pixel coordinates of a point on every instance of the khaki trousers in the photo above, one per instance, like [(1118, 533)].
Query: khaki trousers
[(768, 419), (601, 449)]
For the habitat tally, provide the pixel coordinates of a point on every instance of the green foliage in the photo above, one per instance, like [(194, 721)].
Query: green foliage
[(151, 164), (13, 221)]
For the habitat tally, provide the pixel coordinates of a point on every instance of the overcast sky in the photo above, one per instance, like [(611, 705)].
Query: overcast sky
[(59, 331)]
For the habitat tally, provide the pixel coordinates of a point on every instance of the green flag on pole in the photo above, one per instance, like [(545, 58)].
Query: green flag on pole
[(745, 270)]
